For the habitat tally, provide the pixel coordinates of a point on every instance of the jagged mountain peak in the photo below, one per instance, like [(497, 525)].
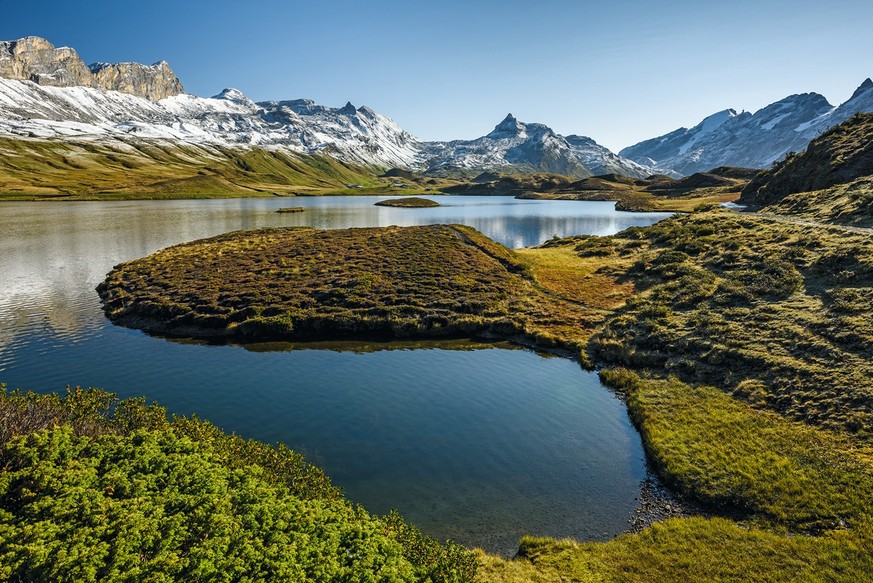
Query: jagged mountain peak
[(348, 109), (232, 94), (237, 100), (713, 121), (862, 88), (812, 98), (509, 126)]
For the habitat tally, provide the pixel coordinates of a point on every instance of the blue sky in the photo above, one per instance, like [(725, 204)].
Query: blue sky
[(617, 71)]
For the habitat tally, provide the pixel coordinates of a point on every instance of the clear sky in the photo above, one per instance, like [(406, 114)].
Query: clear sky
[(617, 71)]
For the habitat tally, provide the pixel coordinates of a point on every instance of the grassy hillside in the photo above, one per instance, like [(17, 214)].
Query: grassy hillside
[(40, 169), (66, 169), (775, 313), (849, 204)]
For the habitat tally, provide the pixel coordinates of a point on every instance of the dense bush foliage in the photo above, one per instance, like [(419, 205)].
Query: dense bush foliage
[(99, 489), (156, 506)]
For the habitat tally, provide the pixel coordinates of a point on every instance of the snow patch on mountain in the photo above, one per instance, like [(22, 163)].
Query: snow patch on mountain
[(746, 139), (530, 147), (229, 119)]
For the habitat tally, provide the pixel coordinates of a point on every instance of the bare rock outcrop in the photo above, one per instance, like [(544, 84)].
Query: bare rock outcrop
[(35, 59), (153, 82)]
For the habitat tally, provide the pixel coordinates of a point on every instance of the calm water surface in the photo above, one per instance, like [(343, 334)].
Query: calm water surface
[(477, 445)]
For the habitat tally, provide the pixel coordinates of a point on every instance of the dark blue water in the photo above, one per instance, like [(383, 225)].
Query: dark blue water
[(481, 446)]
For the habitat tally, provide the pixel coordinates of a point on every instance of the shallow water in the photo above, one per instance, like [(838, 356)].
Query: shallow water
[(478, 445)]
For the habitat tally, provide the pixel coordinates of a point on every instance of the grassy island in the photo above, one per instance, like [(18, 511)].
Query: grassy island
[(290, 209), (409, 202)]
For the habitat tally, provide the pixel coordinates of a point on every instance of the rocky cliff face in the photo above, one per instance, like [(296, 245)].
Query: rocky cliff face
[(35, 59), (154, 82)]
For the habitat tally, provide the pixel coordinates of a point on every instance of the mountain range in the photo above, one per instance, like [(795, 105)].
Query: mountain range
[(749, 140), (49, 93)]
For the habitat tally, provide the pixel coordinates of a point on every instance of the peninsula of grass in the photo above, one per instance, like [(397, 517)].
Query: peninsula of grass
[(741, 343), (775, 313), (293, 284), (410, 202), (290, 209)]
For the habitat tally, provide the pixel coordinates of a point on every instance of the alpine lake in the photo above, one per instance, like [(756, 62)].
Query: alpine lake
[(481, 443)]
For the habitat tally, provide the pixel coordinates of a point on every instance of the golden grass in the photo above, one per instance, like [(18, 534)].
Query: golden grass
[(585, 281)]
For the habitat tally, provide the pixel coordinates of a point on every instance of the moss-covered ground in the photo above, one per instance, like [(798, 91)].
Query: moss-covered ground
[(849, 204), (306, 284), (775, 313)]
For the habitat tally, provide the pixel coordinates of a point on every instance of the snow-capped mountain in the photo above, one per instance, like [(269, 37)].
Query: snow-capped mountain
[(359, 136), (750, 140), (355, 135), (529, 147), (48, 92)]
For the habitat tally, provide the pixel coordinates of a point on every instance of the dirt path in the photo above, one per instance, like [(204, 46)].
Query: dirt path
[(807, 223)]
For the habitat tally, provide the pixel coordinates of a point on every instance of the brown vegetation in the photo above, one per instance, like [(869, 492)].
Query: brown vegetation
[(408, 202), (293, 284)]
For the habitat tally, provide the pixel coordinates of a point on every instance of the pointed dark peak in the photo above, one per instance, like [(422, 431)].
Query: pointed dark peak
[(509, 125), (865, 86), (348, 109)]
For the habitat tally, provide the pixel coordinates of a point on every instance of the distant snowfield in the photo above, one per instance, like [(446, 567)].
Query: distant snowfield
[(363, 137), (229, 119), (354, 135), (752, 140)]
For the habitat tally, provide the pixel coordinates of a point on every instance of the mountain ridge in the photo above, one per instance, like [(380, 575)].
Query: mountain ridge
[(752, 140), (841, 155), (48, 92)]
